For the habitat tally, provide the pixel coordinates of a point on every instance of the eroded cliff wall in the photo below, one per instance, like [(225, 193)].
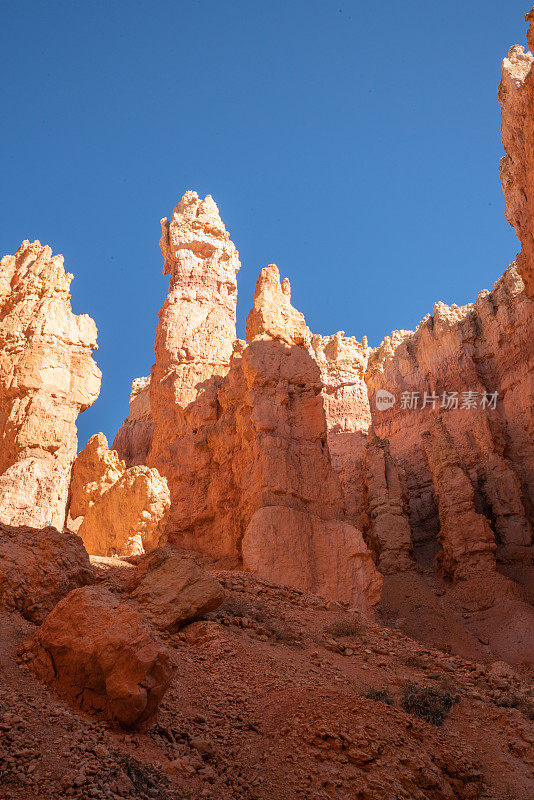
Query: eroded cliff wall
[(473, 367)]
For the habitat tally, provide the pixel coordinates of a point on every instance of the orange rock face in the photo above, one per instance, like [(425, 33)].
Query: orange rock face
[(95, 471), (98, 653), (47, 377), (427, 439), (326, 557), (38, 568), (134, 438), (272, 314), (386, 496), (172, 589), (194, 342), (516, 96), (240, 428), (466, 537), (484, 348), (130, 517)]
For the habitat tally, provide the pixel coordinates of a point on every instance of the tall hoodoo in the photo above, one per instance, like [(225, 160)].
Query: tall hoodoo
[(47, 377), (194, 344), (516, 96)]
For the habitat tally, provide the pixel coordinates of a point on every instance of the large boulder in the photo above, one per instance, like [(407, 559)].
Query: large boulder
[(130, 517), (173, 589), (98, 653), (38, 568)]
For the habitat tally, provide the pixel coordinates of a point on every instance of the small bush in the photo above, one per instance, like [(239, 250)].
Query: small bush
[(427, 702), (380, 696), (347, 625)]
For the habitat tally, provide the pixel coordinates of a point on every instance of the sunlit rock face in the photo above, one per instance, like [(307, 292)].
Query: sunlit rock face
[(130, 517), (47, 377), (485, 348), (194, 344), (516, 96), (95, 470), (289, 420), (240, 427)]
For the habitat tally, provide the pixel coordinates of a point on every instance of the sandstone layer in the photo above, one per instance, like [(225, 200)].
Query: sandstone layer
[(47, 377)]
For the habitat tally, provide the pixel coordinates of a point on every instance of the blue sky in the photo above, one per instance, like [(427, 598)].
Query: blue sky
[(354, 144)]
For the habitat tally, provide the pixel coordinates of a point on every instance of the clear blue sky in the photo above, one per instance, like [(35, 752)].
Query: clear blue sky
[(355, 144)]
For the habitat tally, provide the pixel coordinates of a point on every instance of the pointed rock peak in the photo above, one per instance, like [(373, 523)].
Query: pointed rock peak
[(97, 443), (197, 226), (272, 314), (191, 211)]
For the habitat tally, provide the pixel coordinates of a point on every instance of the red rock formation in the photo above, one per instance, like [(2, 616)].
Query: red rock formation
[(272, 314), (326, 557), (342, 363), (134, 438), (237, 433), (516, 96), (466, 537), (485, 347), (47, 377), (95, 471), (130, 517), (386, 498), (194, 342), (172, 589), (98, 653), (38, 568), (249, 434), (290, 500)]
